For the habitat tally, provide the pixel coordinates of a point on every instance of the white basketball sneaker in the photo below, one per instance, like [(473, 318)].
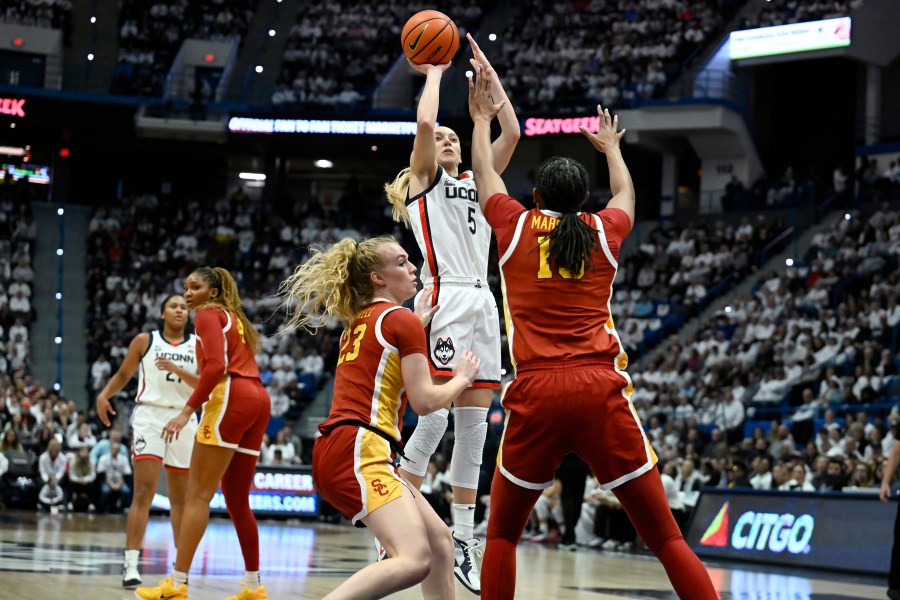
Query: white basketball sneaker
[(466, 568), (130, 575)]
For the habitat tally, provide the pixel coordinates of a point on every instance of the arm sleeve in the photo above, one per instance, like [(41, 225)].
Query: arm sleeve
[(403, 329), (208, 324), (502, 213), (617, 226)]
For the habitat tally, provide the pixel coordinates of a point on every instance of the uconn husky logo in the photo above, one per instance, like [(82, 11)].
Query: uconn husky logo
[(444, 351)]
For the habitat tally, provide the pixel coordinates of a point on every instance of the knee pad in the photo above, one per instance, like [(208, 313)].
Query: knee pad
[(424, 441), (470, 431)]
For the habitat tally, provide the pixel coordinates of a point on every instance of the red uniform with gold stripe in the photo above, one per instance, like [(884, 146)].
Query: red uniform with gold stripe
[(236, 406), (353, 467), (571, 392)]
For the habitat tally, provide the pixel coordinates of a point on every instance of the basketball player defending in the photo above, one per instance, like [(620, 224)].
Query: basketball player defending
[(167, 376), (441, 206)]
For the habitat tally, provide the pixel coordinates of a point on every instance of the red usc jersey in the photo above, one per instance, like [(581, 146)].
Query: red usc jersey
[(368, 384), (223, 347), (551, 313)]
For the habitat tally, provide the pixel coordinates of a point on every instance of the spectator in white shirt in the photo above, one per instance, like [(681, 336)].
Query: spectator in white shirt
[(114, 467), (288, 452), (83, 438), (100, 372), (53, 463), (51, 497)]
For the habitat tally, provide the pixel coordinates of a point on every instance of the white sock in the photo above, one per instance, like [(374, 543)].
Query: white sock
[(132, 556), (463, 521), (251, 578), (179, 579)]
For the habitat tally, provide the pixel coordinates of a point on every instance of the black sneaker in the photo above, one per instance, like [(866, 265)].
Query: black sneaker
[(466, 568), (893, 594)]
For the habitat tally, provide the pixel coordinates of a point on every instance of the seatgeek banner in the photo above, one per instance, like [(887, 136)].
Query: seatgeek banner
[(848, 532)]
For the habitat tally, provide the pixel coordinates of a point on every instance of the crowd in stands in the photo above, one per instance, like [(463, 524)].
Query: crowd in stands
[(565, 56), (47, 14), (17, 234), (56, 458), (785, 12), (678, 271), (338, 51), (151, 34)]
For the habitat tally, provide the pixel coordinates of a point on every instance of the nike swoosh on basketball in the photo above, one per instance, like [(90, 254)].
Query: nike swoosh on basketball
[(418, 37)]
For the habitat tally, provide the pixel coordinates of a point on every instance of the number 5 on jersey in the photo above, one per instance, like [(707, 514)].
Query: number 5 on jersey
[(356, 336)]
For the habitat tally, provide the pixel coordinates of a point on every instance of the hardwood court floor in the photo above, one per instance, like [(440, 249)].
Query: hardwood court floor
[(44, 557)]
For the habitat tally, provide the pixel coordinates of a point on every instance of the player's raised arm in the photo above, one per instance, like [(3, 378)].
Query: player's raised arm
[(483, 110), (607, 140), (423, 162), (510, 132)]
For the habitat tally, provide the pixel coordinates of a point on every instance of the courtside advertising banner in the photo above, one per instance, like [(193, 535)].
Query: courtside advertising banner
[(276, 491), (849, 532)]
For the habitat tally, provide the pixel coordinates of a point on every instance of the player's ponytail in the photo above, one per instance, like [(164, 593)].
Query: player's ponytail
[(562, 184), (333, 282), (229, 299), (397, 192)]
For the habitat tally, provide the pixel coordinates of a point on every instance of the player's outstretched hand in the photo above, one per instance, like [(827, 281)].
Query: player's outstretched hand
[(607, 136), (478, 55), (422, 311), (467, 366), (104, 409), (426, 68), (481, 105), (885, 492)]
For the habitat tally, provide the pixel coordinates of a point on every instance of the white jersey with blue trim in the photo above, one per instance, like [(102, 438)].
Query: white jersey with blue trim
[(451, 231), (162, 388)]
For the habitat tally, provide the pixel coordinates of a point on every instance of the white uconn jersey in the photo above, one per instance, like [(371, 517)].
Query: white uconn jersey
[(452, 233), (161, 388)]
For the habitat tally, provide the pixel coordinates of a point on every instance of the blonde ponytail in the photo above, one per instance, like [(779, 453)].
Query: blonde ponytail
[(334, 281), (397, 192), (229, 299)]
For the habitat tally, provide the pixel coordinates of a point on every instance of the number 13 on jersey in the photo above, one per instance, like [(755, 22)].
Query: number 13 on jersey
[(544, 271)]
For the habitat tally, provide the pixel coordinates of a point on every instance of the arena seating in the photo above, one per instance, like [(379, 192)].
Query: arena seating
[(338, 52), (150, 35), (570, 56)]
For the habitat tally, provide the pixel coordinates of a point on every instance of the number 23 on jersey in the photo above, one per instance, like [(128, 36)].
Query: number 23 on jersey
[(351, 340)]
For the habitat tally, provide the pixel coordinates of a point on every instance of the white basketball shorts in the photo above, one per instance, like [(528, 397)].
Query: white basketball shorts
[(147, 422), (466, 320)]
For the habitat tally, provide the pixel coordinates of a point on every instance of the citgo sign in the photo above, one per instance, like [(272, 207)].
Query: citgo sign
[(809, 530), (761, 531)]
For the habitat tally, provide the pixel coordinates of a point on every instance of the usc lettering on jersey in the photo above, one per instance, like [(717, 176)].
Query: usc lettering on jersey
[(161, 388), (368, 384), (451, 230), (578, 323)]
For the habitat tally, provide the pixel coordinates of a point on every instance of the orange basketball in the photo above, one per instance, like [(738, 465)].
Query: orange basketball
[(430, 37)]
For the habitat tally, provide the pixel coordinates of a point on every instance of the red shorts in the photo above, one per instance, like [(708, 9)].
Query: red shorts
[(558, 408), (236, 415), (353, 470)]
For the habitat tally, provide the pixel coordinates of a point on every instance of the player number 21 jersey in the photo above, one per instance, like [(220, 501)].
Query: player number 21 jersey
[(161, 388)]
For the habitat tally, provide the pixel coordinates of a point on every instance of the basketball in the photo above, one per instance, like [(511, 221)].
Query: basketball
[(430, 37)]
